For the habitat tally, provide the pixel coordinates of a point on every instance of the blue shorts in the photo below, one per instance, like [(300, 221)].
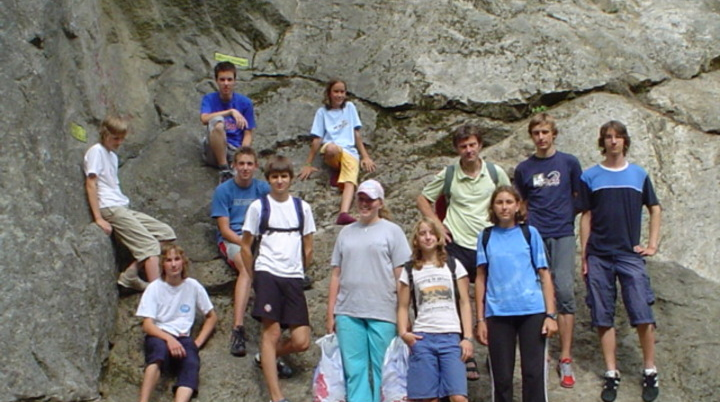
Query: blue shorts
[(187, 368), (435, 367), (601, 284)]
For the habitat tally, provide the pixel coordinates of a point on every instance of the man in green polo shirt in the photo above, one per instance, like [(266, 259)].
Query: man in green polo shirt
[(473, 182), (470, 184)]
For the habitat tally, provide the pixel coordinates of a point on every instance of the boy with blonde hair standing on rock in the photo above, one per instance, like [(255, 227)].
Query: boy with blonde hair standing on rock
[(285, 227), (141, 233), (549, 182), (611, 197)]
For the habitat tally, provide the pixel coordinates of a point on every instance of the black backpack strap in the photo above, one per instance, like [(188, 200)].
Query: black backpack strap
[(264, 226), (411, 285), (301, 227), (264, 215), (449, 173), (300, 214), (528, 238), (452, 265), (486, 238)]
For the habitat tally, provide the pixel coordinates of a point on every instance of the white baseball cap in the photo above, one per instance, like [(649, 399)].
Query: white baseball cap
[(372, 189)]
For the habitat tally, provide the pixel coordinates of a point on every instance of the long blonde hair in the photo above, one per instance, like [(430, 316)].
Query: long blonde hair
[(441, 254)]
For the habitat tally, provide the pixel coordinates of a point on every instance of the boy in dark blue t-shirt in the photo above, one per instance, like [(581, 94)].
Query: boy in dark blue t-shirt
[(549, 181), (612, 196)]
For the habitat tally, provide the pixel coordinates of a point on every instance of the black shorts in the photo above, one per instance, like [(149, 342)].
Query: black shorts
[(466, 256), (280, 299)]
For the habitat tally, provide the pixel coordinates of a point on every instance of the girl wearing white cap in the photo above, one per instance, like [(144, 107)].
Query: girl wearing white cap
[(366, 262)]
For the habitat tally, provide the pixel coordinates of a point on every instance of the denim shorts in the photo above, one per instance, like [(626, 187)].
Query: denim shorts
[(435, 367), (603, 275)]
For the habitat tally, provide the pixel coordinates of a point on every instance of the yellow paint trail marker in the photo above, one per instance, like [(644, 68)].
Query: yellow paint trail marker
[(238, 61), (78, 132)]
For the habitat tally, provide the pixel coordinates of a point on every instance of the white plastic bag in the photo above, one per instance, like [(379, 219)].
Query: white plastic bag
[(329, 378), (394, 372)]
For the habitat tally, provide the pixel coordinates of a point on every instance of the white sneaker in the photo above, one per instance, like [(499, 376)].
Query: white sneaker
[(131, 281)]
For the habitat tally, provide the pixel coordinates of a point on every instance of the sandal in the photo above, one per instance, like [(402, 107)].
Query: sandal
[(471, 369)]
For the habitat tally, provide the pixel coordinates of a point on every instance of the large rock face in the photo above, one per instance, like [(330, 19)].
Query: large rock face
[(415, 70)]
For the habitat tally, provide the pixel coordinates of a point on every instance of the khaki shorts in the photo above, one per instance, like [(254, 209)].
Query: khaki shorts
[(347, 164), (141, 233)]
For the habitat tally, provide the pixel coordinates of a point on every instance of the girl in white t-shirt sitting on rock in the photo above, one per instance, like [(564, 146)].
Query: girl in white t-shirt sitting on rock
[(440, 339)]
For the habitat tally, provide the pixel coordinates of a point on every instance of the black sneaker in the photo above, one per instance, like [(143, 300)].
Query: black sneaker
[(237, 342), (612, 381), (284, 371), (650, 384)]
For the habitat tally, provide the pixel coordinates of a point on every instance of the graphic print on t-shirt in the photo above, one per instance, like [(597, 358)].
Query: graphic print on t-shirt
[(541, 180), (343, 123), (435, 296)]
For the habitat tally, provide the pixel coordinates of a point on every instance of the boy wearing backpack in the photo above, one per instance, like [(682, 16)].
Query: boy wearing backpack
[(285, 227), (549, 181)]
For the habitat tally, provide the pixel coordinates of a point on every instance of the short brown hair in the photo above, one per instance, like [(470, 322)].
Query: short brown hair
[(279, 164), (225, 66), (112, 125), (619, 129), (542, 118), (245, 150), (466, 131)]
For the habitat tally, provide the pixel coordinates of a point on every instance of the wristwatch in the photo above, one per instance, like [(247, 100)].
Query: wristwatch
[(551, 315)]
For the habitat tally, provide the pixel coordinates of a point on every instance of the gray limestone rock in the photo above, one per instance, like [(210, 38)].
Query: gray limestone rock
[(415, 70), (690, 102)]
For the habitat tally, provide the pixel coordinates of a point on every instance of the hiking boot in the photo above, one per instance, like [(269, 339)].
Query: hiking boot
[(612, 382), (650, 385), (284, 371), (225, 175), (564, 368), (344, 219), (131, 280), (237, 341)]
